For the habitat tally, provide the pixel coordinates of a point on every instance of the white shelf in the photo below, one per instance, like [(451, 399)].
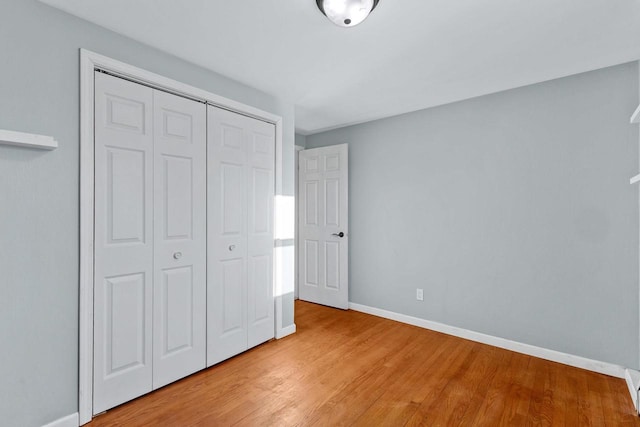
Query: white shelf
[(635, 179), (21, 139), (635, 118)]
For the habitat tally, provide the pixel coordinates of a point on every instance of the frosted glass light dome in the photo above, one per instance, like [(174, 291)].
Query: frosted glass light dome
[(346, 13)]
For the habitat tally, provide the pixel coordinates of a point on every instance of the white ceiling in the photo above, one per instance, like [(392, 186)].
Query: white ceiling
[(408, 55)]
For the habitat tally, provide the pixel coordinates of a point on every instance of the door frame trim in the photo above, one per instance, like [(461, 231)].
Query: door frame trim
[(89, 62), (296, 185)]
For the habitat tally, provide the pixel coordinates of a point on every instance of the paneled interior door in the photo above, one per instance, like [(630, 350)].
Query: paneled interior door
[(123, 284), (150, 248), (323, 212), (240, 233), (180, 229)]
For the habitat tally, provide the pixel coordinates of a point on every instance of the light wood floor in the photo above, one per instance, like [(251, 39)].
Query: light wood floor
[(349, 368)]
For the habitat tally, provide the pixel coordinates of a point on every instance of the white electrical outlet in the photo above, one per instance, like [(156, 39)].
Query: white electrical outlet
[(419, 294)]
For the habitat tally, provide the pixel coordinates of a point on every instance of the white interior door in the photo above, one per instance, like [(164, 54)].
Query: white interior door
[(261, 138), (179, 309), (227, 236), (240, 156), (123, 274), (150, 240), (323, 211)]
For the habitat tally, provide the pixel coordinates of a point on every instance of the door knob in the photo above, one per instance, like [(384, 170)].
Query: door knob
[(177, 255), (340, 234), (232, 247)]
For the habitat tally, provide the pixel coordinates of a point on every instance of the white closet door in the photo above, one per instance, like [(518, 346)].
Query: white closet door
[(123, 241), (240, 233), (179, 313), (261, 162), (227, 236)]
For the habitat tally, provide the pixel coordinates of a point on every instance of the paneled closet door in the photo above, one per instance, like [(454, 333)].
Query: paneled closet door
[(150, 240), (240, 233), (261, 187), (123, 274), (227, 236), (179, 312)]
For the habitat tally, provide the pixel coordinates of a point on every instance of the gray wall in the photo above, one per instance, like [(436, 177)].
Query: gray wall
[(39, 197), (513, 211), (301, 140)]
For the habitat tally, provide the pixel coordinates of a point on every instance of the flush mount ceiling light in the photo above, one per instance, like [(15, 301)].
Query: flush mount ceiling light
[(346, 13)]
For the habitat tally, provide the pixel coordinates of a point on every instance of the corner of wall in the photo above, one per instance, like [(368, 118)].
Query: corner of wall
[(632, 378), (301, 140)]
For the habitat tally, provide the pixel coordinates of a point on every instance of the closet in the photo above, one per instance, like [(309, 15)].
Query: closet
[(183, 237)]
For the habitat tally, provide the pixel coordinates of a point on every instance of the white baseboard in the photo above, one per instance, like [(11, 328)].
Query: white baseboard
[(287, 330), (68, 421), (633, 383), (530, 350)]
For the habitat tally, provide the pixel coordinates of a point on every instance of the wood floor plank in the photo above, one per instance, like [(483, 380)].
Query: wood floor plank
[(489, 366), (319, 381), (541, 403), (404, 393), (493, 406), (348, 402), (520, 392), (433, 392), (350, 368), (568, 398)]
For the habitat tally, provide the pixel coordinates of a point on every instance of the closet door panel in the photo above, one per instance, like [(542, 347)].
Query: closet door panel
[(123, 269), (232, 296), (227, 236), (176, 304), (261, 164), (241, 159), (180, 237)]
